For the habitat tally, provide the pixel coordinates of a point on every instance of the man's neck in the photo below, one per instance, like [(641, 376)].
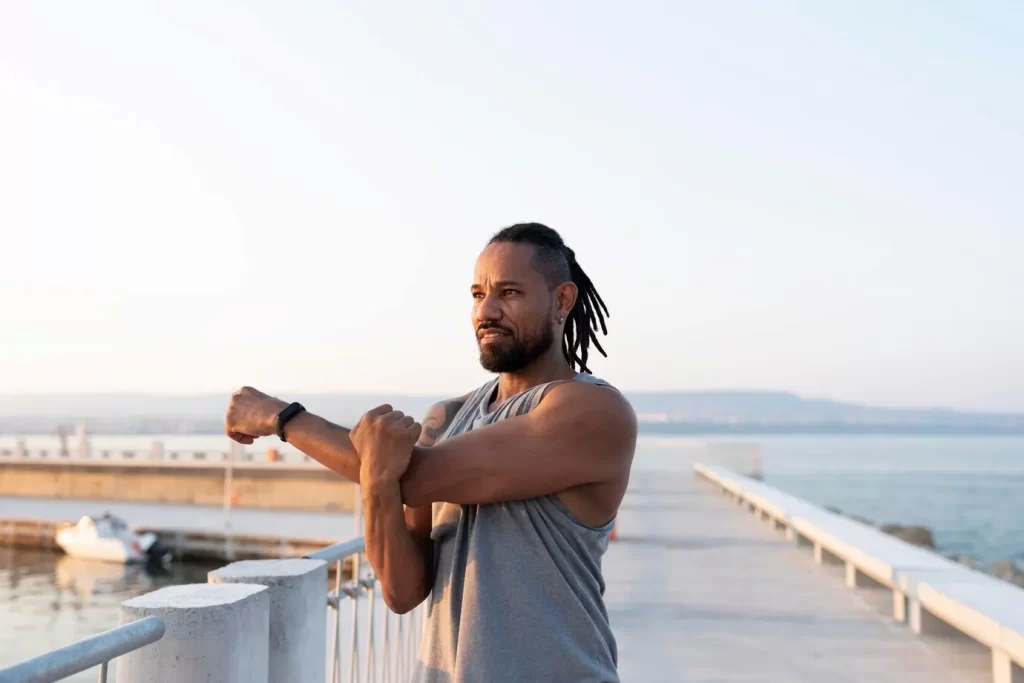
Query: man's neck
[(548, 368)]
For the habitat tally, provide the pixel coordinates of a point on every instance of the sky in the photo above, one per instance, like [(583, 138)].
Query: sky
[(816, 197)]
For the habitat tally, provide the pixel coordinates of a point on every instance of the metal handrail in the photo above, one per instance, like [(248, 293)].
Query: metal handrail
[(339, 551), (363, 660), (393, 661), (85, 654)]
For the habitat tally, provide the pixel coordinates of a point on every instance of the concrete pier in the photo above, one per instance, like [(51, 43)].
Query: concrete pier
[(698, 590), (262, 485)]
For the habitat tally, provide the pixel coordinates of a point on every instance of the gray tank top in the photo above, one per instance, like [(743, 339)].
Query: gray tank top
[(518, 591)]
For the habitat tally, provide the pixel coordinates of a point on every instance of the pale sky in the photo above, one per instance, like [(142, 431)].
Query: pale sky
[(818, 197)]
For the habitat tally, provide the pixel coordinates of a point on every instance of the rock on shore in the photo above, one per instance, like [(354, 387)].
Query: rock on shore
[(914, 535), (922, 536), (1007, 570)]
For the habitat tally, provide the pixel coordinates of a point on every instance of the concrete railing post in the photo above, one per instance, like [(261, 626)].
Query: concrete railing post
[(1004, 670), (298, 609), (919, 620), (851, 574), (899, 606), (213, 633)]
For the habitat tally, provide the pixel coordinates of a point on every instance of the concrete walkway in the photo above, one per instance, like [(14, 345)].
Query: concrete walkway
[(699, 590)]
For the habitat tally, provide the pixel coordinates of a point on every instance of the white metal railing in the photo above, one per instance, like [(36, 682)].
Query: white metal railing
[(153, 456), (85, 654), (140, 450), (400, 634)]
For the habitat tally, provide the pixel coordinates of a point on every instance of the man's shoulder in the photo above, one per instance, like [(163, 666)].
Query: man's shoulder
[(593, 380), (440, 416), (459, 401), (590, 397)]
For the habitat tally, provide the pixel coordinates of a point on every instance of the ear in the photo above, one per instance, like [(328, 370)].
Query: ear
[(565, 298)]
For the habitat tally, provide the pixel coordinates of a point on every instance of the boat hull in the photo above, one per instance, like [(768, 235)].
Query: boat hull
[(103, 549)]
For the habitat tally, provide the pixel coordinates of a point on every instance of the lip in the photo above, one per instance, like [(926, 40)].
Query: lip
[(490, 334)]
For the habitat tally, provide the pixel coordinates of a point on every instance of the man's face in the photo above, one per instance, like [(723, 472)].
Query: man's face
[(513, 308)]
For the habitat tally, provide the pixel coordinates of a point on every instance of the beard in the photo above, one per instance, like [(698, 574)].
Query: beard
[(509, 354)]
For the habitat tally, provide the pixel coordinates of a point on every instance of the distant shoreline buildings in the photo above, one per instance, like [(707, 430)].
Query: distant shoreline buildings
[(724, 412)]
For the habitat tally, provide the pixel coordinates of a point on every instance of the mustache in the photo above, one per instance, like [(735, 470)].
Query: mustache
[(492, 326)]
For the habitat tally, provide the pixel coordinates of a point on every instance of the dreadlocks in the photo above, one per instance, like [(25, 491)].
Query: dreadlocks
[(557, 263)]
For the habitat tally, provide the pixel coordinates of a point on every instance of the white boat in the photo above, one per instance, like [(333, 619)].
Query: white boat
[(109, 539)]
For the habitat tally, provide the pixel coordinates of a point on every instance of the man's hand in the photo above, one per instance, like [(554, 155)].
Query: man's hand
[(397, 540), (252, 414), (384, 438)]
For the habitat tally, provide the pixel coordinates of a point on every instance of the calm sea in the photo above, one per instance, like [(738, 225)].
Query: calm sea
[(969, 490)]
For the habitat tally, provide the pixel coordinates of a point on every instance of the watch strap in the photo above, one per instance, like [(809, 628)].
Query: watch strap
[(285, 416)]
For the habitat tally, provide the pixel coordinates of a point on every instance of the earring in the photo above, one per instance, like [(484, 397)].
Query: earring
[(561, 320)]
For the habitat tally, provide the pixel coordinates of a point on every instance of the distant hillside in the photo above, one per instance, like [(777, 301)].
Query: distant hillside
[(773, 408), (665, 412)]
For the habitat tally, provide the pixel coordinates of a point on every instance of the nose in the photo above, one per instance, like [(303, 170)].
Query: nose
[(488, 309)]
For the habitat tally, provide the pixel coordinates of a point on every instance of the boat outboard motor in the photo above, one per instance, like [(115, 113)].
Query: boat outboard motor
[(160, 554), (156, 552)]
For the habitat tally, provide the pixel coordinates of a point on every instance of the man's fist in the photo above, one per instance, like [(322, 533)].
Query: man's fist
[(252, 414), (384, 438)]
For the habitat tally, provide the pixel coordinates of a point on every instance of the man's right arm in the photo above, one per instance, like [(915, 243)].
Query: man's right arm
[(398, 541), (398, 537)]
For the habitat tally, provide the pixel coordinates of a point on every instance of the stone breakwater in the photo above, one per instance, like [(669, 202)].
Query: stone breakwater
[(922, 536)]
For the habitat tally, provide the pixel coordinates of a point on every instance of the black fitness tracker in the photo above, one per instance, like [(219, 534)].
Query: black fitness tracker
[(284, 416)]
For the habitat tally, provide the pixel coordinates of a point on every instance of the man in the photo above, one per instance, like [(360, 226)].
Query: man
[(510, 492)]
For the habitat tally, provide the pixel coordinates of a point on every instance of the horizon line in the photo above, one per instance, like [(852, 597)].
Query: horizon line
[(766, 392)]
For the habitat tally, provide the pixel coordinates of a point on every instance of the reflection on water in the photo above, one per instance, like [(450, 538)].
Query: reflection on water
[(48, 600), (86, 578)]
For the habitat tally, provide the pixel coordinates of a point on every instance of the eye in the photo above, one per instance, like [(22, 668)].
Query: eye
[(478, 295), (507, 292)]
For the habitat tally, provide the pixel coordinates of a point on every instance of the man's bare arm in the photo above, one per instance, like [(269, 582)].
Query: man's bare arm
[(252, 414), (398, 543), (580, 434), (327, 443)]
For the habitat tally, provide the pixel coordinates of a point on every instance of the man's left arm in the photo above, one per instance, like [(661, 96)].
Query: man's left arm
[(580, 434)]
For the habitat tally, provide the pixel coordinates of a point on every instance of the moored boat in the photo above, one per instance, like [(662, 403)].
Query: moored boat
[(110, 539)]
